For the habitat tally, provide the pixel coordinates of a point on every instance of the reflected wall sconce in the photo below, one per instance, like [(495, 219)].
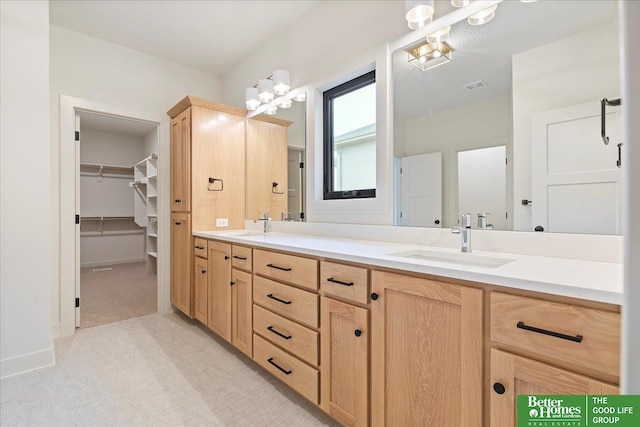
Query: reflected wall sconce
[(277, 84), (427, 55)]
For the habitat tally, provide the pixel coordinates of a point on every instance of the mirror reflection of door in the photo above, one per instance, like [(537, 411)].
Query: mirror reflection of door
[(482, 185), (576, 182), (295, 162), (421, 190)]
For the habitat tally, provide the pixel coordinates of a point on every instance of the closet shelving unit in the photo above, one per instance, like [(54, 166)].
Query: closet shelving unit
[(146, 185)]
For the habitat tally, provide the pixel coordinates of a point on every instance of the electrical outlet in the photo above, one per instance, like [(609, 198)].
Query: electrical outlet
[(222, 222)]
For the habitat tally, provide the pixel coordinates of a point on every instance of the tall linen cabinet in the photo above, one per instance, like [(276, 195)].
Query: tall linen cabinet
[(207, 182)]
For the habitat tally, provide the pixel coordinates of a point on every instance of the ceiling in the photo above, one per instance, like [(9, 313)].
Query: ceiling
[(484, 53), (117, 125), (206, 35)]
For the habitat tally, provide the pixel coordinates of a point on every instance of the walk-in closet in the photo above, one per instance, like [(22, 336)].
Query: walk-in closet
[(117, 196)]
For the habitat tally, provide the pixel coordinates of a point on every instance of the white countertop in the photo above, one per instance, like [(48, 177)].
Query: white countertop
[(594, 281)]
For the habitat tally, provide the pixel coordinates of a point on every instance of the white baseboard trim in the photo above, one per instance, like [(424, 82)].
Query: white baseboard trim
[(27, 362), (55, 330), (112, 262)]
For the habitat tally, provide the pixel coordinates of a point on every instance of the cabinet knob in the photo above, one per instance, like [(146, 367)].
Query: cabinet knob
[(357, 332), (374, 296), (499, 388), (437, 221), (178, 200), (204, 271), (232, 283), (226, 257), (177, 223)]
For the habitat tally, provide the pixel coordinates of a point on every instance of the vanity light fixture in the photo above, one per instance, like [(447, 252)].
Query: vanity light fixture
[(284, 103), (301, 97), (426, 56), (460, 3), (251, 98), (266, 90), (281, 82), (271, 110), (419, 13), (439, 36), (483, 16)]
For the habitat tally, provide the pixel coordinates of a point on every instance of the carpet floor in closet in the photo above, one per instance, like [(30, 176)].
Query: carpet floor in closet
[(123, 292)]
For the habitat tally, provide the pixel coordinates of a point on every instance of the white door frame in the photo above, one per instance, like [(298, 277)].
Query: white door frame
[(69, 171)]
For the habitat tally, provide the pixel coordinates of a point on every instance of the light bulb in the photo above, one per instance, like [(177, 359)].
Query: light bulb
[(301, 97), (422, 59), (251, 98), (271, 110), (284, 103), (437, 54), (265, 90), (281, 82)]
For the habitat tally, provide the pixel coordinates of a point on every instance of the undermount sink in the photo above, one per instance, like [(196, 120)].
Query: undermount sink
[(455, 258)]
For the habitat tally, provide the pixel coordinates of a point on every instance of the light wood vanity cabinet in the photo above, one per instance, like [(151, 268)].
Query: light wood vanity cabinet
[(219, 320), (181, 253), (201, 289), (242, 311), (207, 178), (426, 352), (545, 347)]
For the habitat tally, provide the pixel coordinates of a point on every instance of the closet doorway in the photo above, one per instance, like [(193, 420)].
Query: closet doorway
[(116, 194)]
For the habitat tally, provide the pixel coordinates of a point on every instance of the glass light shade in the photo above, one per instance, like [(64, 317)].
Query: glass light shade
[(265, 90), (251, 98), (439, 36), (483, 16), (281, 82), (284, 103), (301, 97), (428, 55), (419, 13), (271, 110), (460, 3)]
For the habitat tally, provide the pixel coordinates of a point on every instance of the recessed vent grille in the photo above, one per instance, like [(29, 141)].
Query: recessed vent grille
[(474, 85)]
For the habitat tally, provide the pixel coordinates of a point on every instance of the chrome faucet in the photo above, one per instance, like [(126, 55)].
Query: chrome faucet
[(266, 219), (284, 216), (482, 221), (464, 230)]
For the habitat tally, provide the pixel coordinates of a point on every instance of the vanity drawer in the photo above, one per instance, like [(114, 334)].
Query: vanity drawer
[(241, 257), (289, 335), (288, 301), (296, 374), (200, 247), (289, 268), (574, 335), (345, 281)]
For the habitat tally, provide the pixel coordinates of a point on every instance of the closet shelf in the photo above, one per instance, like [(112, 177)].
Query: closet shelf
[(153, 254), (100, 170), (105, 218)]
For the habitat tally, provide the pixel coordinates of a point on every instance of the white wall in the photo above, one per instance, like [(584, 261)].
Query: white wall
[(333, 40), (91, 69), (109, 197), (580, 68), (295, 132), (25, 197), (486, 124)]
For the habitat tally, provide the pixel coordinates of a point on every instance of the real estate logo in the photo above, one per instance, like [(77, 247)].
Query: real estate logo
[(578, 411)]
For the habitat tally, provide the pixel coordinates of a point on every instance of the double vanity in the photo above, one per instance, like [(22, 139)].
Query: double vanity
[(381, 333)]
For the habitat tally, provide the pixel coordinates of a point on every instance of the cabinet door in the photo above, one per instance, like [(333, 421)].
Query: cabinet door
[(220, 289), (426, 352), (345, 362), (181, 262), (181, 162), (200, 288), (242, 311), (513, 375)]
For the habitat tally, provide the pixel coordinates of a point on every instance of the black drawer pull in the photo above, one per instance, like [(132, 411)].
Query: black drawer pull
[(177, 223), (204, 271), (178, 200), (332, 280), (278, 299), (279, 268), (286, 337), (241, 258), (577, 338), (270, 360), (199, 247)]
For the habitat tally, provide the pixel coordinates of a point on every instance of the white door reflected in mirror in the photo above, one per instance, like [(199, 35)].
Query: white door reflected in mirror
[(420, 191)]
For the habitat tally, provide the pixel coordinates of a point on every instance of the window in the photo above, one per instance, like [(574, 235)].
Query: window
[(350, 139)]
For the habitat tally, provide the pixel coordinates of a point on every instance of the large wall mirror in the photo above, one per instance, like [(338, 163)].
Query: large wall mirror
[(275, 164), (509, 129)]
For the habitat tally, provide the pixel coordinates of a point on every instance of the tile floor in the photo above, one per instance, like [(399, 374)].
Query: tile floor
[(153, 370)]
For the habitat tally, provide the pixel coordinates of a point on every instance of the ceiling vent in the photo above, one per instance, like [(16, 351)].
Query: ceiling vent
[(474, 85)]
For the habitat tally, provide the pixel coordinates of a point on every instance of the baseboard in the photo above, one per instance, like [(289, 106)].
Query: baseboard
[(27, 362), (112, 262), (55, 330)]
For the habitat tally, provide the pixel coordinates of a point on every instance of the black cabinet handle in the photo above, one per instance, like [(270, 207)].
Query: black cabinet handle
[(177, 223), (374, 296), (226, 257), (286, 337), (240, 257), (437, 221), (199, 247), (232, 283), (279, 268), (499, 388), (357, 332), (577, 338), (332, 280), (204, 271), (270, 360), (178, 200), (279, 300)]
